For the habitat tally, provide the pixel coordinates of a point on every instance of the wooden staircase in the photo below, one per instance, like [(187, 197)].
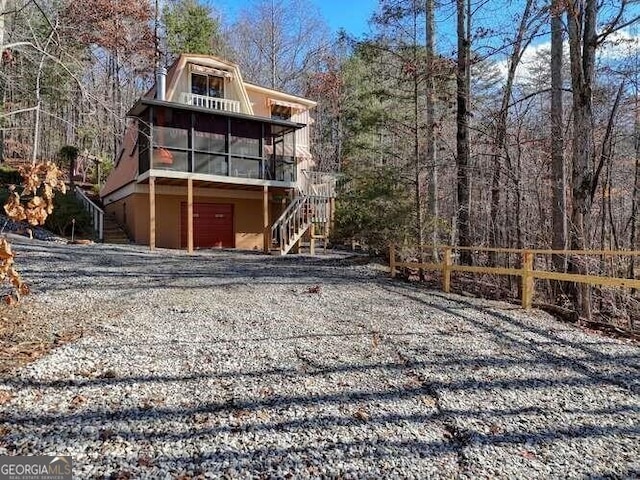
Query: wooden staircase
[(113, 231), (106, 227), (309, 214)]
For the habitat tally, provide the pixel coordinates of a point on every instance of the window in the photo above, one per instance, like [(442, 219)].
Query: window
[(207, 85), (280, 112)]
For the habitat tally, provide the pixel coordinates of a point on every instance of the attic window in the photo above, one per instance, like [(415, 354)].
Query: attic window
[(207, 85)]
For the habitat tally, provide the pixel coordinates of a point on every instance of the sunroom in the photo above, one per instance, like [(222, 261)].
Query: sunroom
[(180, 141)]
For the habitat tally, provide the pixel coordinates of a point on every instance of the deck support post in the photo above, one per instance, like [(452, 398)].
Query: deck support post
[(265, 219), (312, 239), (190, 215), (152, 213)]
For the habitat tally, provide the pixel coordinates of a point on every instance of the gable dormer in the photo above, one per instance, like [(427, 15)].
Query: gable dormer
[(207, 82)]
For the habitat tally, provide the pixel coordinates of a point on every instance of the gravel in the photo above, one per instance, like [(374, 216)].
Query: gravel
[(238, 365)]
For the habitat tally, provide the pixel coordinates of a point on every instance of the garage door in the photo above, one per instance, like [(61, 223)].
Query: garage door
[(212, 225)]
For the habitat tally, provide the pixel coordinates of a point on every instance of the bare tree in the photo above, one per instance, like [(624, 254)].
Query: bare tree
[(277, 42), (520, 43), (559, 176), (582, 22), (430, 88), (463, 154)]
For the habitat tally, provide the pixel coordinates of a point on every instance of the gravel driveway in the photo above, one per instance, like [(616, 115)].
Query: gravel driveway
[(237, 365)]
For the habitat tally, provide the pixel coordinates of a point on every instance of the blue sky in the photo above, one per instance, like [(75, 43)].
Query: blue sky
[(352, 15)]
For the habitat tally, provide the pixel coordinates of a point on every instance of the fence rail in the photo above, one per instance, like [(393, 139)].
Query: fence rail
[(527, 272)]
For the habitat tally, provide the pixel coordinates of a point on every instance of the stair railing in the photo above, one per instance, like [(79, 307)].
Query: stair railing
[(289, 224), (96, 213), (311, 206), (296, 220), (320, 184)]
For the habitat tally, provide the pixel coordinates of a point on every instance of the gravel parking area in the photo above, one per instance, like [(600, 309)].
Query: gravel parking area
[(237, 365)]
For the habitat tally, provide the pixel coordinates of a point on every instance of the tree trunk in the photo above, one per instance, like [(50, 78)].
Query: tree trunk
[(635, 198), (462, 134), (3, 8), (501, 131), (582, 47), (431, 122), (416, 140), (558, 171)]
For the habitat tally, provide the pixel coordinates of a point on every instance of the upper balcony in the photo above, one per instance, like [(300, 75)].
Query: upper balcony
[(210, 103)]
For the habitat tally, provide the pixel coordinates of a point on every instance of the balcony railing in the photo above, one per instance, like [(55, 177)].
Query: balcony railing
[(212, 103)]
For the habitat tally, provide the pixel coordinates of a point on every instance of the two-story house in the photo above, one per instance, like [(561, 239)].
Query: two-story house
[(209, 160)]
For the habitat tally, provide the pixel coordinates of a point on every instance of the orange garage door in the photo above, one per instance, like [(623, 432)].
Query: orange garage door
[(212, 225)]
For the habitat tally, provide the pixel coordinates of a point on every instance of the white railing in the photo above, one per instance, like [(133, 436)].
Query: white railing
[(296, 220), (320, 184), (96, 213), (211, 103)]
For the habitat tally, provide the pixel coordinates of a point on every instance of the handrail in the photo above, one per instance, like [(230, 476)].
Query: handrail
[(97, 214), (311, 207), (299, 215), (319, 184)]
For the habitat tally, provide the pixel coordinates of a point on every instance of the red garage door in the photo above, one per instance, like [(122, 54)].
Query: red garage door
[(212, 225)]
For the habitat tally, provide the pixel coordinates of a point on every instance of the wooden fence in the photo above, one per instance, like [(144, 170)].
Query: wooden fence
[(527, 272)]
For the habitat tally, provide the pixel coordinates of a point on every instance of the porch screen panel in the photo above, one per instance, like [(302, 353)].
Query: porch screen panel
[(245, 138), (210, 134), (143, 146), (171, 128), (210, 164), (171, 144), (246, 167), (168, 159)]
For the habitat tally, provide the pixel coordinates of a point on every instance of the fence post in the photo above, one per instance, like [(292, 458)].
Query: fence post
[(446, 270), (392, 259), (527, 280)]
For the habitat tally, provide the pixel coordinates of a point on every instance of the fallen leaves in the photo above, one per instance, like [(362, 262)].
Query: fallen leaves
[(5, 397), (77, 401), (362, 414), (107, 374), (34, 204), (528, 454)]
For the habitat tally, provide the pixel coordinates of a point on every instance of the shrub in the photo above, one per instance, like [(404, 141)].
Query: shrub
[(375, 209), (66, 208), (9, 176)]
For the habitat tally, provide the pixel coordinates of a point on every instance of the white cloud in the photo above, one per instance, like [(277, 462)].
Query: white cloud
[(618, 46)]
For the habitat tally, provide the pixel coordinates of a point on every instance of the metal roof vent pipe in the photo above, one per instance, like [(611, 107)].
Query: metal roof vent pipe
[(161, 83)]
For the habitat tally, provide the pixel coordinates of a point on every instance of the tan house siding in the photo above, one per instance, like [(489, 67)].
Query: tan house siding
[(247, 213), (133, 213), (259, 103)]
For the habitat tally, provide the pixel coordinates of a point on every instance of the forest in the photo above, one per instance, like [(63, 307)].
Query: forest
[(498, 123)]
